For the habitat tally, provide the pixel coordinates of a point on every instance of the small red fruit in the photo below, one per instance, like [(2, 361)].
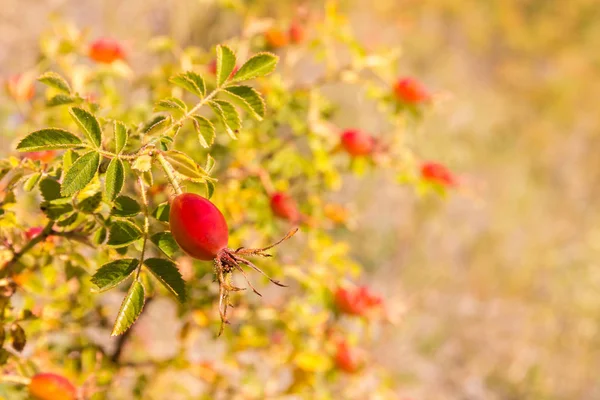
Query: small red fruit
[(106, 51), (357, 143), (296, 32), (411, 91), (346, 358), (44, 156), (285, 207), (201, 231), (275, 38), (33, 232), (20, 88), (438, 173), (47, 386), (356, 301), (198, 226)]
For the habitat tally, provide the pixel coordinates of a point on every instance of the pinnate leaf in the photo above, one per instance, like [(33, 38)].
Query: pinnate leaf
[(89, 124), (56, 81), (131, 308), (115, 177), (113, 273), (123, 233), (81, 173), (249, 99), (48, 139), (226, 61), (259, 65), (167, 273), (205, 130)]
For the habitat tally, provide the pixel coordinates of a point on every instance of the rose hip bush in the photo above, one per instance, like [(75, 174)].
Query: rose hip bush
[(180, 180)]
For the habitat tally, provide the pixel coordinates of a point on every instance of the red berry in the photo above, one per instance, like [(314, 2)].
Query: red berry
[(411, 91), (106, 51), (356, 301), (44, 156), (357, 143), (33, 232), (285, 207), (296, 32), (275, 38), (346, 358), (438, 173), (48, 386), (20, 88), (198, 226)]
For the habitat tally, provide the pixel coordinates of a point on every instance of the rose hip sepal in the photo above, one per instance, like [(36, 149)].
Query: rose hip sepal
[(200, 229), (47, 386)]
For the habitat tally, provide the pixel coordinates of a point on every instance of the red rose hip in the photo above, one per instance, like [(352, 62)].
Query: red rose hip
[(285, 207), (198, 226), (201, 231), (357, 143), (106, 51), (47, 386), (411, 91), (438, 173)]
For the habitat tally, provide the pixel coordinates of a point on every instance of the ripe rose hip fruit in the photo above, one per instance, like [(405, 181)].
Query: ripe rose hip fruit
[(106, 51), (296, 32), (285, 207), (346, 358), (411, 91), (47, 386), (357, 143), (20, 88), (200, 229), (356, 301), (44, 156), (438, 173), (275, 38)]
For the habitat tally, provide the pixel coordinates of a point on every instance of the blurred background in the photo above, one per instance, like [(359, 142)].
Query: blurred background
[(500, 280)]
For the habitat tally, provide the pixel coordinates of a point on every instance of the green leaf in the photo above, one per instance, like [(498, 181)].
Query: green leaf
[(50, 189), (31, 182), (142, 163), (69, 220), (112, 274), (228, 115), (48, 139), (68, 159), (121, 136), (125, 207), (171, 104), (190, 81), (90, 204), (167, 273), (131, 308), (99, 236), (226, 61), (249, 99), (160, 121), (210, 164), (205, 130), (55, 209), (56, 81), (165, 242), (115, 178), (59, 100), (260, 64), (185, 166), (89, 124), (161, 212), (123, 233), (210, 189), (81, 173)]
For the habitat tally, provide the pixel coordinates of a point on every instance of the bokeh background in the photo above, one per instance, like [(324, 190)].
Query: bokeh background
[(499, 282)]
